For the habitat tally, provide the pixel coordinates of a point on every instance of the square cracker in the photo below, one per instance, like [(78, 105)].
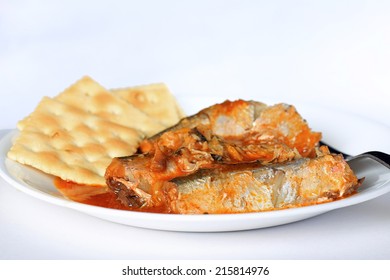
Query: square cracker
[(155, 100), (89, 96), (69, 143)]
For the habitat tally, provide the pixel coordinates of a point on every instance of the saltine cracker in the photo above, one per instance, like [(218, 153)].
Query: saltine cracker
[(89, 96), (72, 144), (155, 100)]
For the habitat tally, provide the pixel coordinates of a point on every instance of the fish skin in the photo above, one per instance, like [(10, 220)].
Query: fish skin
[(228, 133), (255, 188)]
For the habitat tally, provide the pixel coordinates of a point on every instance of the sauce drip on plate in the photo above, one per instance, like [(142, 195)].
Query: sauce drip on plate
[(97, 196)]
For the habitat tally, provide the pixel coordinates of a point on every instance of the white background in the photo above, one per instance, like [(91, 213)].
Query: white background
[(330, 53)]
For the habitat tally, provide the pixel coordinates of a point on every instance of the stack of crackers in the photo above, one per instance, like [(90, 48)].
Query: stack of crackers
[(75, 135)]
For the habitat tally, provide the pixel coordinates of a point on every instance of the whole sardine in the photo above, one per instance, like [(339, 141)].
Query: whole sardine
[(254, 188), (240, 119)]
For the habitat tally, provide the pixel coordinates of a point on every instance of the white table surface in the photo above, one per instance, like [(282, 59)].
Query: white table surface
[(327, 52)]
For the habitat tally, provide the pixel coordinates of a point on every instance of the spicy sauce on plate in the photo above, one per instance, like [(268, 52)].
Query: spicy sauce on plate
[(97, 196)]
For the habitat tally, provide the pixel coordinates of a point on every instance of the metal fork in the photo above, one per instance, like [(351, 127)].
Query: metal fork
[(380, 157)]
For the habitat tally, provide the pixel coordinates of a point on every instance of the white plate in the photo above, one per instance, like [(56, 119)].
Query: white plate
[(334, 125)]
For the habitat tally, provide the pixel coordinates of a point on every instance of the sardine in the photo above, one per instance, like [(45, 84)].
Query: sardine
[(240, 119), (254, 188)]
